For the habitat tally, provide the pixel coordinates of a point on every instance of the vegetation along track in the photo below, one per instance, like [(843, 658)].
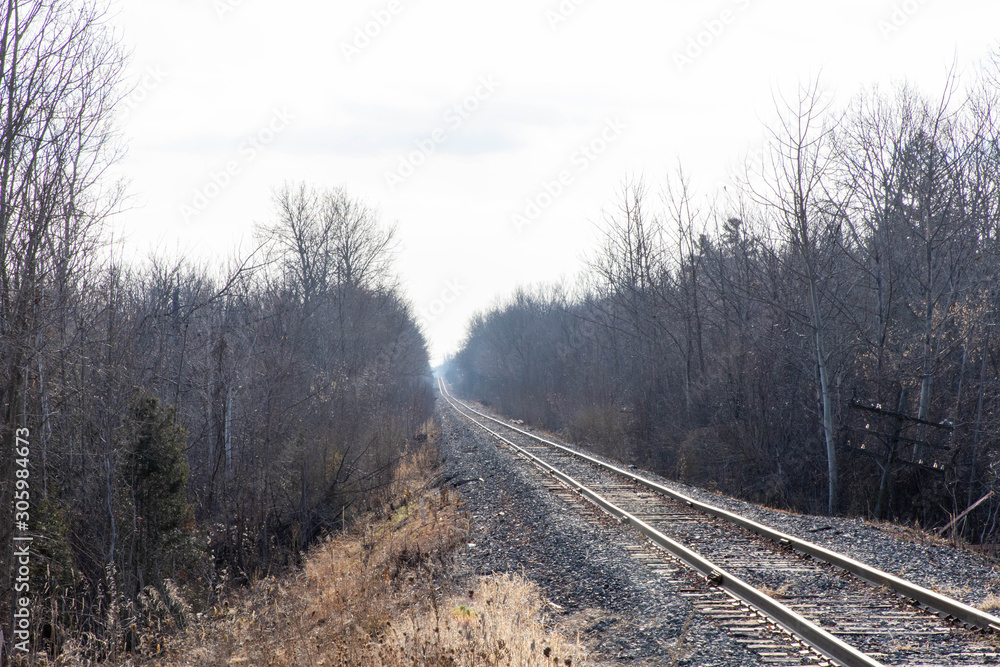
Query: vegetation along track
[(843, 609)]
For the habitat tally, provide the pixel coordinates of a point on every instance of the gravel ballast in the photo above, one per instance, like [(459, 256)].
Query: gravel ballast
[(623, 611), (906, 553)]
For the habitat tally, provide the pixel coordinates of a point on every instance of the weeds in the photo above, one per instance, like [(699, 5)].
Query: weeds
[(383, 594), (776, 593), (680, 651), (990, 604)]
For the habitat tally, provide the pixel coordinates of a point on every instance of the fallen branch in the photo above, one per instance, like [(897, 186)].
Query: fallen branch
[(941, 531)]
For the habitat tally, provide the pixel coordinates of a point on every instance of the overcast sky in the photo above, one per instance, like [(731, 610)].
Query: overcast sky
[(452, 117)]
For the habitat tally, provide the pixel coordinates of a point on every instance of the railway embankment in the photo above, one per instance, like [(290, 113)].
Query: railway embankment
[(633, 605), (391, 591)]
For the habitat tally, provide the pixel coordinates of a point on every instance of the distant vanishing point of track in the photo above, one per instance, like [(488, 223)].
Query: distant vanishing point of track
[(794, 602)]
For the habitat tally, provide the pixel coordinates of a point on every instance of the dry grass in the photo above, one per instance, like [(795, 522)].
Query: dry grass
[(911, 534), (990, 604), (382, 595), (776, 593)]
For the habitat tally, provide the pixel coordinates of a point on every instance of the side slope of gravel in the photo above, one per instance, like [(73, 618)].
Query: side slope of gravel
[(910, 554)]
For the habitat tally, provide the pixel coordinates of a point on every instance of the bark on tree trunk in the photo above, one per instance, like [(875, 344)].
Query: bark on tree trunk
[(824, 383)]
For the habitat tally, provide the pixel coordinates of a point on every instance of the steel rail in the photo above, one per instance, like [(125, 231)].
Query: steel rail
[(945, 606), (812, 634)]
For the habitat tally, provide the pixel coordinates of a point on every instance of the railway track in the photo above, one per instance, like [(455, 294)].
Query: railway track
[(844, 612)]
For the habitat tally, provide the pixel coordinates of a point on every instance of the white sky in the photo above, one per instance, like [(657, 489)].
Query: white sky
[(325, 107)]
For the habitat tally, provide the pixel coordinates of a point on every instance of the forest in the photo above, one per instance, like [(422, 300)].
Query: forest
[(170, 428), (819, 339)]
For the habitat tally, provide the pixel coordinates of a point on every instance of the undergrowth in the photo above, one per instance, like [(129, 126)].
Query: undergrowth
[(384, 594)]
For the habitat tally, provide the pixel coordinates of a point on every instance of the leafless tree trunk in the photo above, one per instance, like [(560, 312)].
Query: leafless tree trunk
[(59, 79), (795, 191)]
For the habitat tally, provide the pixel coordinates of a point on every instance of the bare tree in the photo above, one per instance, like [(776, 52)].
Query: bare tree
[(686, 219), (256, 403), (329, 239), (60, 72), (796, 192)]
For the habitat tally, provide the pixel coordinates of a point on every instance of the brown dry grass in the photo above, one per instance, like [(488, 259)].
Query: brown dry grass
[(990, 604), (776, 593), (911, 534), (383, 595)]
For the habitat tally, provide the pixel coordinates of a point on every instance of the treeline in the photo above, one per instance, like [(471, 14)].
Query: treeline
[(822, 340), (180, 427)]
